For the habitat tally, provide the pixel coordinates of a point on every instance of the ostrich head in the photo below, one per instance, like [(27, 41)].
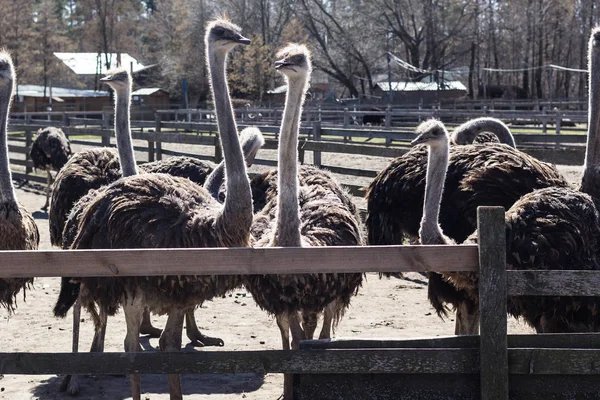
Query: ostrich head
[(224, 35), (7, 71), (432, 133), (294, 61), (118, 78)]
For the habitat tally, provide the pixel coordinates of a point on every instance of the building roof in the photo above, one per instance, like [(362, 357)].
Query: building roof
[(421, 86), (146, 91), (93, 63), (38, 91)]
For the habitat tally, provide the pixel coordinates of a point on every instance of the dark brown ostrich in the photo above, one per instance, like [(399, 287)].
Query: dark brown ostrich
[(18, 230), (50, 151), (482, 130), (554, 229), (178, 213), (395, 201), (301, 215)]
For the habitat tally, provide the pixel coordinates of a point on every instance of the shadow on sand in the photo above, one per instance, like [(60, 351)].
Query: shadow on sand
[(105, 387)]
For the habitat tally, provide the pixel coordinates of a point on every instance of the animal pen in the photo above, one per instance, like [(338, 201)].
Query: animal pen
[(489, 366)]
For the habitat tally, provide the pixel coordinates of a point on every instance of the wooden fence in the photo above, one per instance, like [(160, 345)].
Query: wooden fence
[(316, 138), (482, 365)]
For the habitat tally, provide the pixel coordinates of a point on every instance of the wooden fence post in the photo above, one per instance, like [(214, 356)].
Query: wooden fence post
[(558, 122), (157, 130), (106, 125), (388, 117), (65, 120), (346, 118), (317, 138), (28, 143), (492, 303)]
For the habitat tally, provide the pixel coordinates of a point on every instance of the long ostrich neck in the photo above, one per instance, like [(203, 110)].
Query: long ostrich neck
[(437, 164), (591, 171), (123, 132), (237, 210), (501, 132), (287, 231), (7, 190)]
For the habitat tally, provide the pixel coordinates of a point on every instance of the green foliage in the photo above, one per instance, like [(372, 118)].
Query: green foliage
[(251, 70)]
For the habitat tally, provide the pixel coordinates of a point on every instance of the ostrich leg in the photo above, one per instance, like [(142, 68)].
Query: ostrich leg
[(48, 185), (194, 334), (328, 320), (133, 309), (170, 340), (70, 383), (146, 328), (309, 324), (467, 319)]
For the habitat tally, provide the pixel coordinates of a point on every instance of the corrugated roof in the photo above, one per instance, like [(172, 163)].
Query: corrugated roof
[(92, 63), (38, 91), (145, 91), (421, 86)]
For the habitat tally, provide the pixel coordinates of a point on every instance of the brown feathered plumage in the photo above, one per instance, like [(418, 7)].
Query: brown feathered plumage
[(126, 214), (497, 175), (18, 231), (50, 150)]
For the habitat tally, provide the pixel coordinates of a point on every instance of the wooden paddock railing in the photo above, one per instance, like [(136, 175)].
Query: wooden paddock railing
[(484, 363)]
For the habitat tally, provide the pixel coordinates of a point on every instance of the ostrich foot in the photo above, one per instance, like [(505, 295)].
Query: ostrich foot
[(200, 340), (150, 331), (146, 327), (70, 384)]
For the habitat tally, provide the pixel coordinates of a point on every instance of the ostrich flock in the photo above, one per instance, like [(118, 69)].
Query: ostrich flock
[(101, 199)]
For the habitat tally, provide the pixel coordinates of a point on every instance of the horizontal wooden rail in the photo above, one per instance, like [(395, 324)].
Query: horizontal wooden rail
[(227, 261), (521, 361), (553, 283), (407, 361)]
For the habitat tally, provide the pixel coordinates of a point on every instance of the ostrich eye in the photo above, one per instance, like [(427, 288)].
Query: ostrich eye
[(219, 30)]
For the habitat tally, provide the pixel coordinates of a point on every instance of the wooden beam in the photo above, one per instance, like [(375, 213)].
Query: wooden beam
[(227, 261), (553, 283), (540, 340), (492, 303), (407, 361)]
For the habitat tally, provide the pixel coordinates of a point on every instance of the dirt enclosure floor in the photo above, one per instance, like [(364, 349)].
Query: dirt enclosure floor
[(384, 308)]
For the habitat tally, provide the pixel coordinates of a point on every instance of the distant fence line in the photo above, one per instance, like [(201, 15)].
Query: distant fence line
[(316, 138)]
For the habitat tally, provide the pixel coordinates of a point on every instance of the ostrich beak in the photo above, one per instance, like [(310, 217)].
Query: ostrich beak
[(107, 78), (420, 139), (243, 40), (282, 63)]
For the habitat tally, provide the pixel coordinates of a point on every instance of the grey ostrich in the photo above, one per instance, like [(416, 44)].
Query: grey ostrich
[(50, 151), (179, 213), (395, 201), (18, 230), (554, 229), (307, 215), (482, 130)]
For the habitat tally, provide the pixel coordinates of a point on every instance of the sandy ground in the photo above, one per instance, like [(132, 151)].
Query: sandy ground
[(384, 308)]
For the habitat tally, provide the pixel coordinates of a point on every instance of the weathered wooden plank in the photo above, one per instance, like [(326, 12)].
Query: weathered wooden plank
[(18, 149), (225, 261), (492, 303), (542, 340), (25, 163), (351, 171), (554, 361), (28, 177), (553, 283), (409, 361), (368, 150)]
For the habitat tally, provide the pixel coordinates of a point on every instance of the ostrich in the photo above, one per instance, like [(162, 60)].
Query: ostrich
[(50, 150), (307, 215), (395, 201), (553, 229), (251, 140), (179, 213), (18, 230), (482, 130)]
